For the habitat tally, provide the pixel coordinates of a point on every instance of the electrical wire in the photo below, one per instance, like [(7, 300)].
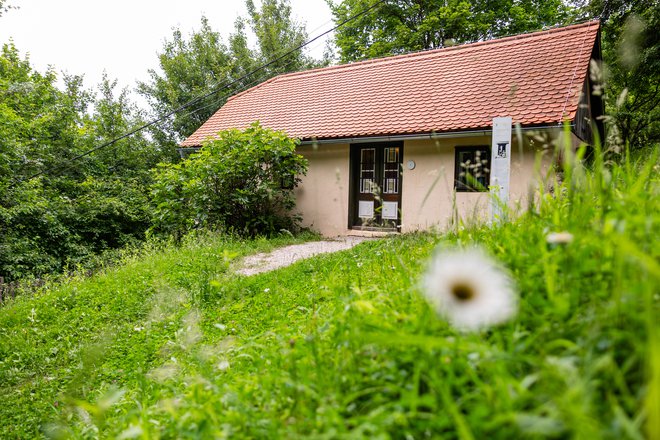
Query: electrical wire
[(197, 99), (216, 103)]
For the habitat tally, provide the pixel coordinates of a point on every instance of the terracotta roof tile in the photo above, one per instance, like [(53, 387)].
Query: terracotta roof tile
[(535, 78)]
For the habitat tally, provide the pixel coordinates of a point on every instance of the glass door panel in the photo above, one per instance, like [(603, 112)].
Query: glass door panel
[(376, 186)]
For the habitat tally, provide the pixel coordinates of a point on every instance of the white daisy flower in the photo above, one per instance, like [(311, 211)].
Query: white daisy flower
[(469, 289), (559, 238)]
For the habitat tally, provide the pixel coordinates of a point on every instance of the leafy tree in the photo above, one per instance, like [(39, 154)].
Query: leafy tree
[(34, 129), (3, 7), (39, 121), (202, 63), (73, 209), (112, 206), (631, 51), (401, 26), (114, 115), (190, 68), (277, 34), (241, 182)]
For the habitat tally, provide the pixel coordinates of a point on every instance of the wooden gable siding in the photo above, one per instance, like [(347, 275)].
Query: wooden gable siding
[(591, 107), (582, 124)]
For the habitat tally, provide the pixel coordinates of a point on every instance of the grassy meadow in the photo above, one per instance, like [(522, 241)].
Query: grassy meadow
[(172, 344)]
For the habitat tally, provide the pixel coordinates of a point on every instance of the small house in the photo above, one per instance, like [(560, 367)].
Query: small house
[(403, 143)]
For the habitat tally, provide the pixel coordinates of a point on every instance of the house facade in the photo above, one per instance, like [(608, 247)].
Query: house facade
[(403, 143)]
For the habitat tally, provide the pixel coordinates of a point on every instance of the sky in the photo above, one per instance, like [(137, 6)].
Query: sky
[(123, 37)]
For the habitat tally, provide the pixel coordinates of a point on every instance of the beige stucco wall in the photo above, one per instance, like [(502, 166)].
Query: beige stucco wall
[(427, 191), (322, 196), (428, 198)]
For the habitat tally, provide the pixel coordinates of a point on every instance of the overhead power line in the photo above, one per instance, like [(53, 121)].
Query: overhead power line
[(243, 87), (197, 99)]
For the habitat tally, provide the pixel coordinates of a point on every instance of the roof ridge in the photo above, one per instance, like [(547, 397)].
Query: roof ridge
[(419, 53), (426, 52), (263, 83)]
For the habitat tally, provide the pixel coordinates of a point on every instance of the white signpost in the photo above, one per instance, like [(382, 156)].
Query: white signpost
[(500, 167)]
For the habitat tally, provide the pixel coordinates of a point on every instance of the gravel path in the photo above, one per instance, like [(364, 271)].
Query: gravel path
[(287, 255)]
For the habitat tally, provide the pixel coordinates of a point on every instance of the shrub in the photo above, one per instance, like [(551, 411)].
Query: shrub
[(45, 229), (243, 181)]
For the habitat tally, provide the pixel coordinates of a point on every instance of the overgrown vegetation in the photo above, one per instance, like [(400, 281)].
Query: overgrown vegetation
[(59, 211), (631, 51), (174, 344), (241, 182), (69, 212)]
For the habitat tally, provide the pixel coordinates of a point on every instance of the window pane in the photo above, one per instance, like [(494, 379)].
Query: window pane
[(392, 155), (391, 171), (472, 171), (368, 158), (367, 170)]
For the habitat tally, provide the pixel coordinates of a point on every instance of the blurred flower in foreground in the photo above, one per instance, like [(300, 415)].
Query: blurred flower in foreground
[(559, 238), (469, 289)]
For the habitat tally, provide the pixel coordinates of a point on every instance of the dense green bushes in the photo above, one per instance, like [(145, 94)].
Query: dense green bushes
[(241, 182), (57, 213), (54, 213)]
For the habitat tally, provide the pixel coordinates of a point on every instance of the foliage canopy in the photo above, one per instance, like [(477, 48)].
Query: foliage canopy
[(201, 63), (71, 211), (632, 69), (407, 25)]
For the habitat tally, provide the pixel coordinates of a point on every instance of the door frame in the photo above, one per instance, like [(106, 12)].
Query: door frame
[(354, 176)]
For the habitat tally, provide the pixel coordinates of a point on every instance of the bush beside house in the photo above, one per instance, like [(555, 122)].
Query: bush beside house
[(242, 182)]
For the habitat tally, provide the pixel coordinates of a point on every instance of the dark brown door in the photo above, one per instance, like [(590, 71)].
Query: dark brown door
[(376, 186)]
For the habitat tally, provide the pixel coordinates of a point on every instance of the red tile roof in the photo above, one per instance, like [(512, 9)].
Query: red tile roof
[(535, 78)]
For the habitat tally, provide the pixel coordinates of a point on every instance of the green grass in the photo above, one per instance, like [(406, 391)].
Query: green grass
[(174, 345)]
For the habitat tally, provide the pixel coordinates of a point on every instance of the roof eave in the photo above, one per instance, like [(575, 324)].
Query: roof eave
[(485, 131)]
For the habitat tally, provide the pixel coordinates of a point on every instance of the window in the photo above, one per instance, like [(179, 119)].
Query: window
[(391, 171), (472, 168), (368, 171)]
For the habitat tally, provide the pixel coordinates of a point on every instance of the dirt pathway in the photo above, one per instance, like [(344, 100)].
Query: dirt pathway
[(287, 255)]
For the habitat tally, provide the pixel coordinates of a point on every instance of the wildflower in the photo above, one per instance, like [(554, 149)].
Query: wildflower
[(556, 238), (469, 289)]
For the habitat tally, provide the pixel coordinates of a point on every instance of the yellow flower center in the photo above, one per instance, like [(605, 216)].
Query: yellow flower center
[(463, 291)]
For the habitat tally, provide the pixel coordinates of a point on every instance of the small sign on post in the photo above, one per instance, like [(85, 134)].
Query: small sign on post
[(500, 167)]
